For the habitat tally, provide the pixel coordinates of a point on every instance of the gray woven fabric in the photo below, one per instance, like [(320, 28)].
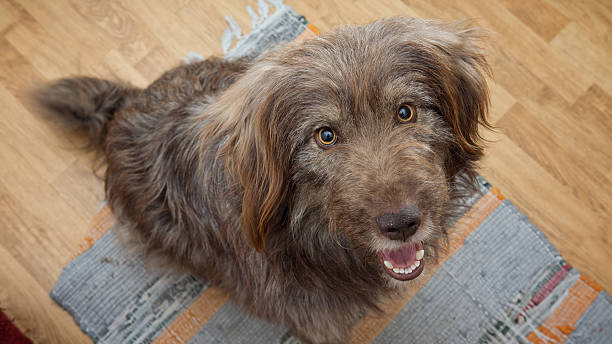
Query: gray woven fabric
[(115, 299), (500, 258), (283, 26), (231, 325)]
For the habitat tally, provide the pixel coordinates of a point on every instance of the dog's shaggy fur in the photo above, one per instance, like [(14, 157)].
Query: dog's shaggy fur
[(216, 166)]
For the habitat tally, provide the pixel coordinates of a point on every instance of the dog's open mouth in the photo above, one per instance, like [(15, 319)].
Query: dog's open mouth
[(404, 263)]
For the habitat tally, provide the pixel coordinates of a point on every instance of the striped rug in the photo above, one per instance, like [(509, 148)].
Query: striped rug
[(500, 281)]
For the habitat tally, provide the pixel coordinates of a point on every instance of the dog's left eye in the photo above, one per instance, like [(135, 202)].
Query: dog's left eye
[(326, 137), (406, 113)]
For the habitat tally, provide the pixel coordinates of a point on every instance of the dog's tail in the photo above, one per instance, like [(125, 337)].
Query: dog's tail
[(86, 103)]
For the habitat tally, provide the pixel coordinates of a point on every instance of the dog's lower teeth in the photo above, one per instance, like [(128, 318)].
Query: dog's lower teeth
[(409, 269), (403, 271)]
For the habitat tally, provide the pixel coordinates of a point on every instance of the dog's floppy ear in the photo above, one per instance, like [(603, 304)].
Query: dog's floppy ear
[(466, 102), (457, 67), (258, 156), (263, 175)]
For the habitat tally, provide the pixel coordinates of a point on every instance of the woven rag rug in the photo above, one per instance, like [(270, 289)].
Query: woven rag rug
[(501, 281)]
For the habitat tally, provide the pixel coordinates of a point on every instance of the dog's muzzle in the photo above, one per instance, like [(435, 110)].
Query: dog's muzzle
[(405, 262)]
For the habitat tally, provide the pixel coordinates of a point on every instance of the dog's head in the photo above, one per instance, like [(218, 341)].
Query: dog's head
[(351, 141)]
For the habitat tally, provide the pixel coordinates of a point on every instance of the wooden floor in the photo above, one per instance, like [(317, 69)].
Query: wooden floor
[(551, 94)]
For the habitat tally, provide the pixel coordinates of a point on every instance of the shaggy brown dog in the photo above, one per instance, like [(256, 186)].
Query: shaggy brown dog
[(309, 183)]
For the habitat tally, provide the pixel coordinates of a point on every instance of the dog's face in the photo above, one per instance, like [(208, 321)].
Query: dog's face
[(359, 135)]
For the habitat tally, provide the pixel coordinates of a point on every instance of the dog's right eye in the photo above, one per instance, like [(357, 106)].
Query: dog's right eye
[(326, 137), (406, 113)]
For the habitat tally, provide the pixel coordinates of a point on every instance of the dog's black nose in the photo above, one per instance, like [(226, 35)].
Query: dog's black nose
[(399, 226)]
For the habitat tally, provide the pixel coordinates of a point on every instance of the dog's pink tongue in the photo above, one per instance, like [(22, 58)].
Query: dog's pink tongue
[(401, 257)]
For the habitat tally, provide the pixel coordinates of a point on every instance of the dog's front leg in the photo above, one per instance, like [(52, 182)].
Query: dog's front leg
[(324, 326)]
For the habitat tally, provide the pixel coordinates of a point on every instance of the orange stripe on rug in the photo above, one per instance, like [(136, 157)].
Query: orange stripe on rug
[(314, 29), (563, 321), (191, 320), (373, 323), (100, 224)]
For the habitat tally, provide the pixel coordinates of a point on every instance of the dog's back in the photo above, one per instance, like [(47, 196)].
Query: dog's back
[(91, 103), (151, 152)]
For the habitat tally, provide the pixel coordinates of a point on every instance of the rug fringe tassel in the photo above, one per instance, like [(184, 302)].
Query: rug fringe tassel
[(257, 19)]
